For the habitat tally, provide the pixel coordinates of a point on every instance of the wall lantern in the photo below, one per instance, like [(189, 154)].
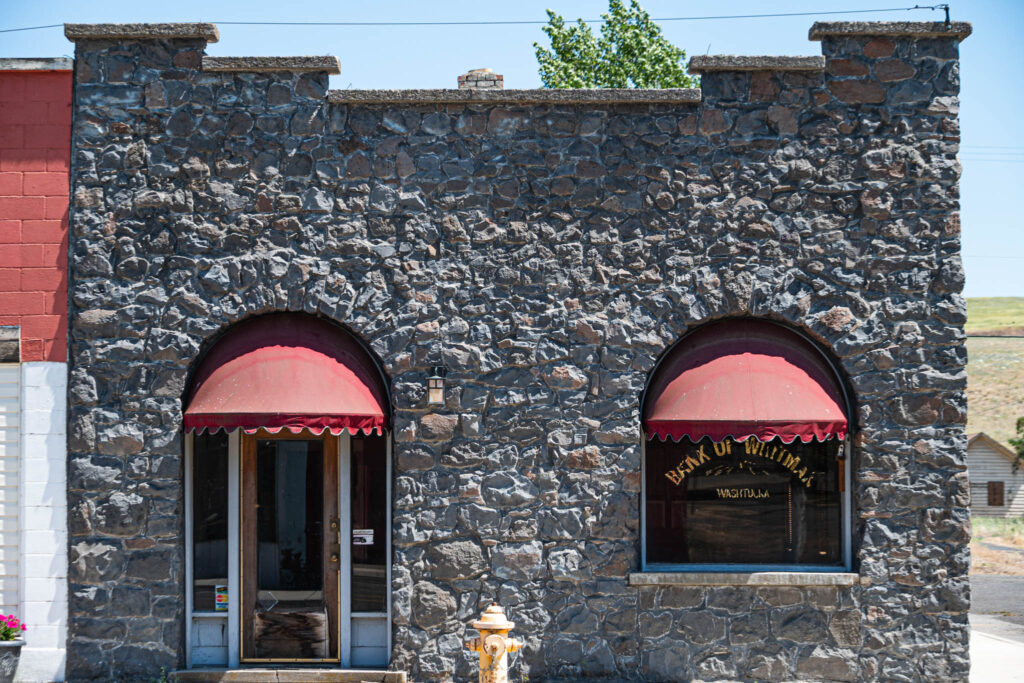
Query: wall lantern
[(435, 386)]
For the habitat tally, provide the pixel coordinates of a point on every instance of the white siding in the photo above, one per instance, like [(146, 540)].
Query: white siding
[(985, 464), (10, 454), (43, 520)]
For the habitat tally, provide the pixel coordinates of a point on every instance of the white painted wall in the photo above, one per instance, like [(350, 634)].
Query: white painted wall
[(209, 640), (984, 464), (42, 585), (10, 457), (370, 640)]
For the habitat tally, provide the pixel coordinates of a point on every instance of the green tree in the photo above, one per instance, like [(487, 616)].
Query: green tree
[(631, 53), (1018, 444)]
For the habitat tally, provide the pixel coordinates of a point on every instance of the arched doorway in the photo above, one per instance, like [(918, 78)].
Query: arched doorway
[(746, 463), (287, 498)]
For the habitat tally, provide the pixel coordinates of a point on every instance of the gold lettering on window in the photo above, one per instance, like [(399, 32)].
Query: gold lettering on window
[(743, 493), (723, 447), (751, 446)]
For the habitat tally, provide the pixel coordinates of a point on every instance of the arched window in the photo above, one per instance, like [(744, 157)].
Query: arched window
[(745, 463)]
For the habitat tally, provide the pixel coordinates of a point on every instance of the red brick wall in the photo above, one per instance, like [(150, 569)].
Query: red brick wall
[(35, 135)]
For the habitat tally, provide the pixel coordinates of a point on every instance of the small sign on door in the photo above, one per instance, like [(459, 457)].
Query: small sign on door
[(362, 537), (220, 598)]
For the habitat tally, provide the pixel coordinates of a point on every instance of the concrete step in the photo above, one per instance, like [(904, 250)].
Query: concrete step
[(287, 675)]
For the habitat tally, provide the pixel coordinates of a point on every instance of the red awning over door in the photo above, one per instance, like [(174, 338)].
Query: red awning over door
[(743, 378), (287, 371)]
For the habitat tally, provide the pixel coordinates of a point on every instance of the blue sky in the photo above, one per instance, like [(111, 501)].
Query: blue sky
[(424, 57)]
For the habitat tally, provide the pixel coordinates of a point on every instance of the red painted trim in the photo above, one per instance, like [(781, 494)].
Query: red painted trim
[(787, 432), (295, 424)]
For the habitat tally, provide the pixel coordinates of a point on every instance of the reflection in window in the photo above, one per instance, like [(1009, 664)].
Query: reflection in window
[(743, 503), (290, 517), (209, 520), (369, 517)]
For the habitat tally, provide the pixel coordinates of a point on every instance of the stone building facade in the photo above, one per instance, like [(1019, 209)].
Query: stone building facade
[(547, 247)]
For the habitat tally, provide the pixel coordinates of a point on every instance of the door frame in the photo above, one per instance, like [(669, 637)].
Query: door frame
[(233, 635), (247, 521)]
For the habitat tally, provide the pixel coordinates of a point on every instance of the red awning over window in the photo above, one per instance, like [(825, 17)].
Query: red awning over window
[(287, 371), (743, 378)]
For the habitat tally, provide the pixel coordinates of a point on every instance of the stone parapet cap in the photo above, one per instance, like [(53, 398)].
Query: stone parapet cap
[(77, 32), (326, 63), (909, 29), (36, 64), (707, 63), (743, 579), (580, 96)]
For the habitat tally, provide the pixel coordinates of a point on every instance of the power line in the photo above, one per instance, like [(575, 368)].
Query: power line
[(531, 22), (29, 28), (585, 21)]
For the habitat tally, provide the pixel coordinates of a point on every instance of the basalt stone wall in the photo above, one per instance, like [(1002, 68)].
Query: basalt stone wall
[(547, 250)]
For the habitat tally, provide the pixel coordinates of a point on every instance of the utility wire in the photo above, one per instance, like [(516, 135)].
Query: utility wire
[(535, 23), (29, 28), (585, 21)]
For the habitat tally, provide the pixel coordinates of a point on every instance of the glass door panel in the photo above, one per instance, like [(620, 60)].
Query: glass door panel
[(290, 554), (210, 522), (369, 523)]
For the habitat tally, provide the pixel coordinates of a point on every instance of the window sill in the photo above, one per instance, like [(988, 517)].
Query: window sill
[(743, 579)]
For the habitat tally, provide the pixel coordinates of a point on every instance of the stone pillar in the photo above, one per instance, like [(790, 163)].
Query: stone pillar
[(892, 89), (125, 547), (151, 111)]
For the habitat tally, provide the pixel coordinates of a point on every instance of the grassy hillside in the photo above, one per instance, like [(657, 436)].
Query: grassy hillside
[(995, 385), (997, 314)]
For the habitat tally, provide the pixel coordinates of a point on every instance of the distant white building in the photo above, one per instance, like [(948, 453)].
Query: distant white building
[(996, 490)]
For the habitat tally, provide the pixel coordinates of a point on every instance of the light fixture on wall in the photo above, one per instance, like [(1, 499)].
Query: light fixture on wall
[(435, 386)]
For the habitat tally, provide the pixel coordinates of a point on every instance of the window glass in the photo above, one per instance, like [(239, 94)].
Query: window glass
[(743, 503), (369, 519), (209, 521)]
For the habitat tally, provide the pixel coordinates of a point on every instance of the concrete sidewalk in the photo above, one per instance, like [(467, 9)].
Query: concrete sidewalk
[(997, 650)]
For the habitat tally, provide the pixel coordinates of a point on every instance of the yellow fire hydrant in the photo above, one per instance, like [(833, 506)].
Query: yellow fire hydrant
[(493, 644)]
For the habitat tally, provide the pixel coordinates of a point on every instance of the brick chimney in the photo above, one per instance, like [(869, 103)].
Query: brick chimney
[(481, 79)]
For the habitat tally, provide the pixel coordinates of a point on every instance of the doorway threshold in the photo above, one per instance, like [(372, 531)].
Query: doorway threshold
[(287, 675)]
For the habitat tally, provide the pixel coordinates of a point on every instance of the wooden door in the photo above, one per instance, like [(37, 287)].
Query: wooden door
[(290, 548)]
